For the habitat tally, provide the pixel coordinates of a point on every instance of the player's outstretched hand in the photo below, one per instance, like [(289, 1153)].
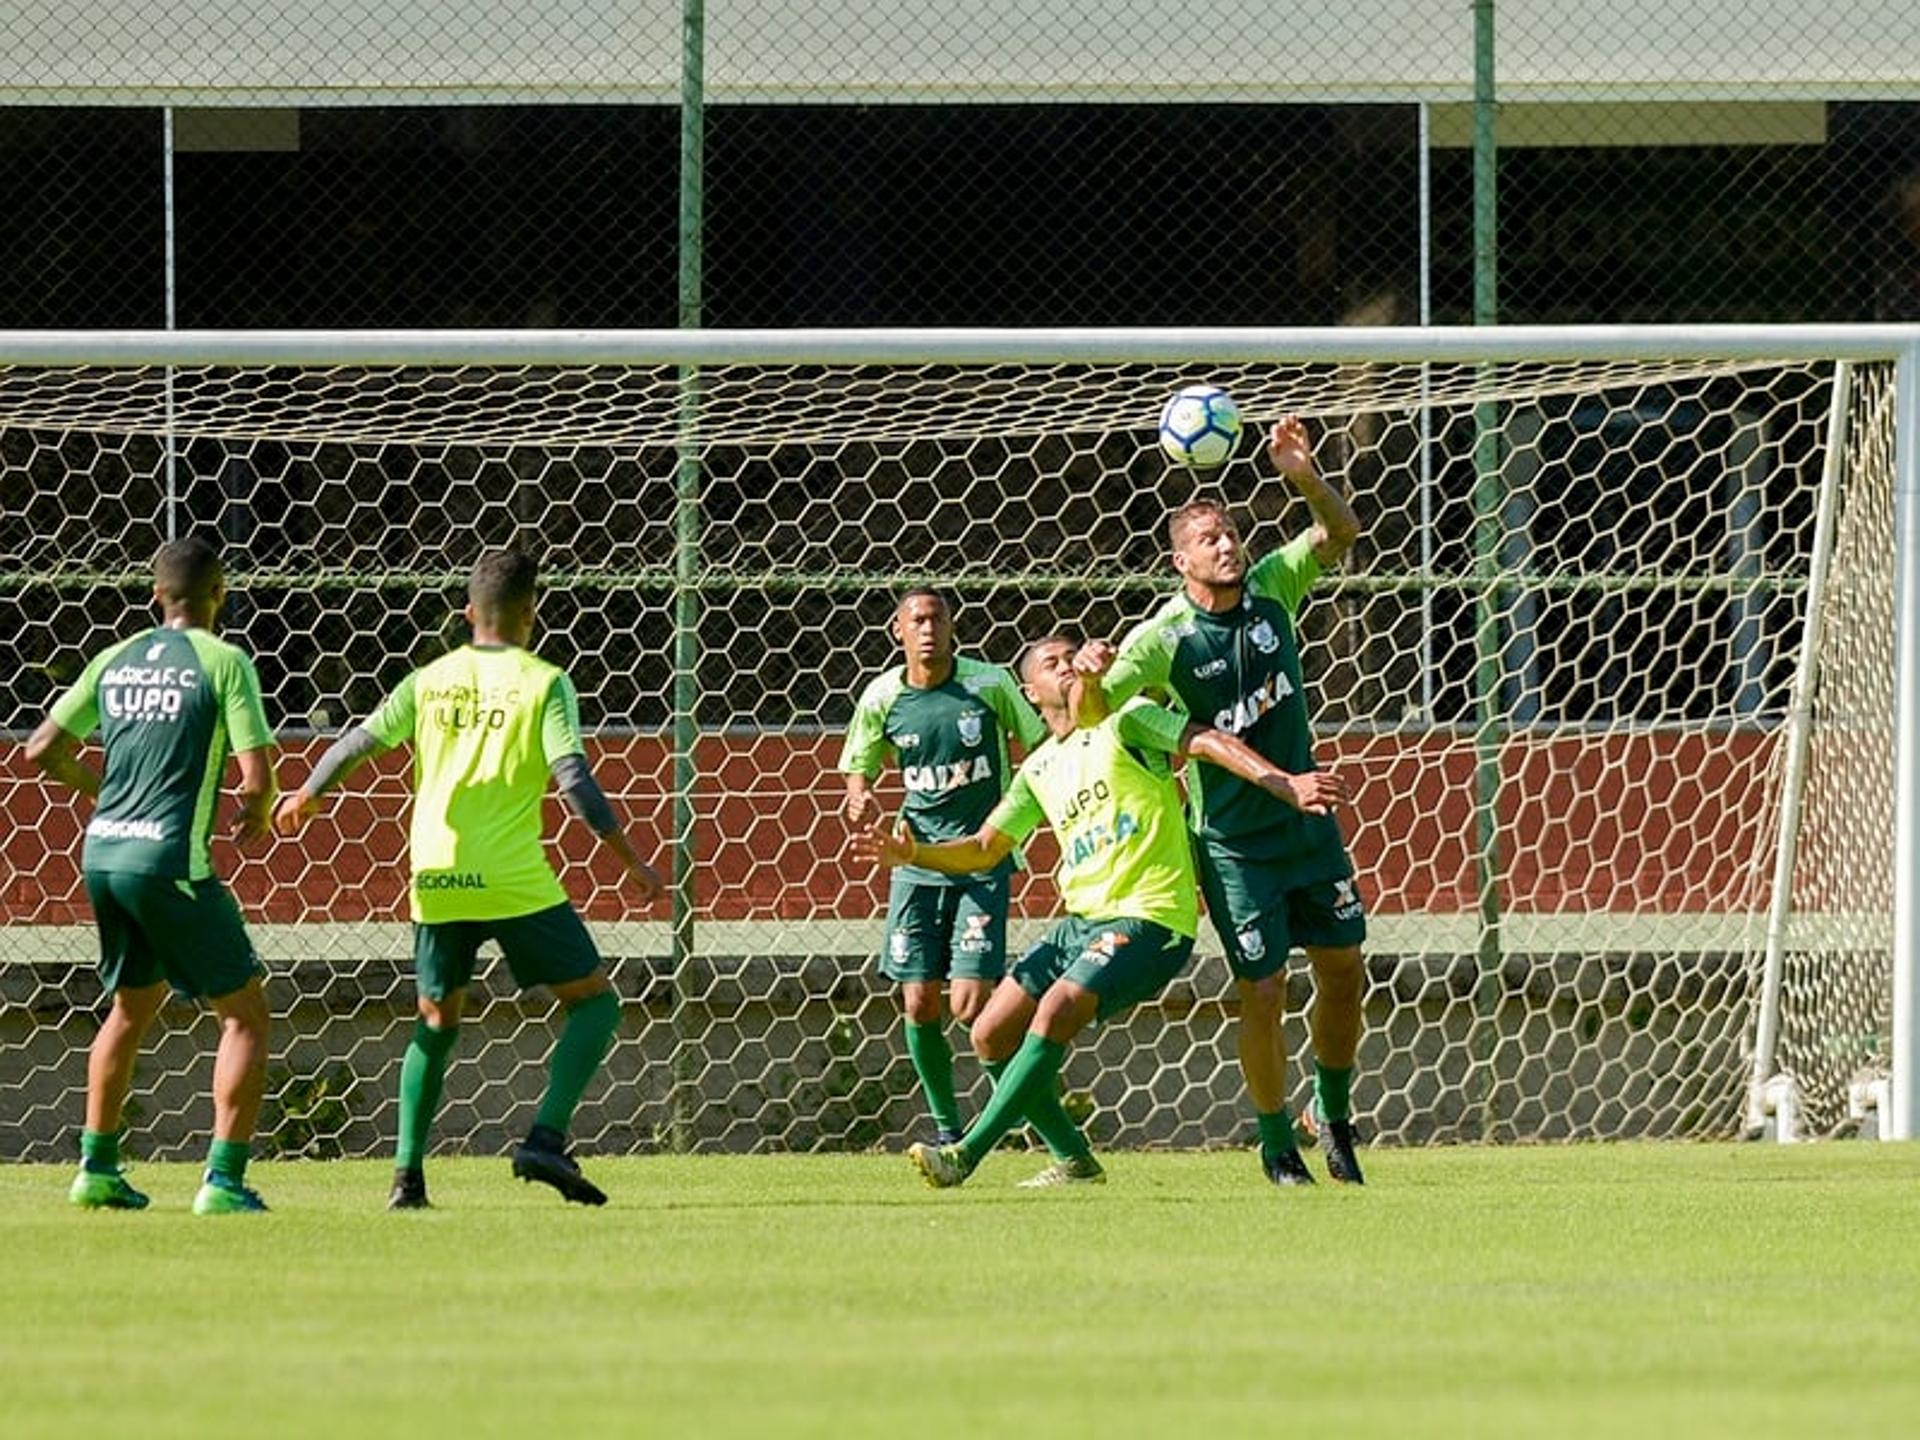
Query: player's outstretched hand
[(1093, 658), (646, 880), (292, 812), (1290, 448), (253, 825), (877, 845), (1314, 793)]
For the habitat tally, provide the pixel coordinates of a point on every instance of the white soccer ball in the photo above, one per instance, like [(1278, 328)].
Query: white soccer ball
[(1199, 427)]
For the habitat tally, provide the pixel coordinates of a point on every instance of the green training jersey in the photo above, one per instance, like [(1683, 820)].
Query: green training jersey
[(950, 741), (1239, 672), (487, 723), (1108, 792), (171, 706)]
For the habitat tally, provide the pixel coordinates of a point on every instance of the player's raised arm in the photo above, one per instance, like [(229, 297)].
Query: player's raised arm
[(1091, 701), (1086, 701), (1336, 526), (1315, 792)]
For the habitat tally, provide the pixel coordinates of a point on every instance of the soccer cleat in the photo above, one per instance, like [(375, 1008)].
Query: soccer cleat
[(1286, 1168), (1343, 1166), (539, 1158), (409, 1191), (941, 1166), (1076, 1170), (217, 1199), (105, 1190)]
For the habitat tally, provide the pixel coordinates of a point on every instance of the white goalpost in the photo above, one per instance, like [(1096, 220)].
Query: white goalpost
[(1624, 669)]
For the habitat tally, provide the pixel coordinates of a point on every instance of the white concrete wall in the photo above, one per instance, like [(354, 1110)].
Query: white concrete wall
[(319, 52)]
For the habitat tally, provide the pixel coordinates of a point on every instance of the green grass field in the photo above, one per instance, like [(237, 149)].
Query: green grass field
[(1598, 1290)]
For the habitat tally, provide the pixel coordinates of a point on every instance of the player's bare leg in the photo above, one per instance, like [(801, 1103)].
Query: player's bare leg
[(1002, 1020), (968, 998), (240, 1065), (1263, 1044), (115, 1049)]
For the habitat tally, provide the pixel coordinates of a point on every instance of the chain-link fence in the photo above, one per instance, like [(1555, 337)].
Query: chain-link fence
[(254, 163)]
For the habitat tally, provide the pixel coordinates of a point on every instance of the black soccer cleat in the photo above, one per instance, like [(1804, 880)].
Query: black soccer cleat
[(1286, 1168), (541, 1157), (1343, 1166), (409, 1191)]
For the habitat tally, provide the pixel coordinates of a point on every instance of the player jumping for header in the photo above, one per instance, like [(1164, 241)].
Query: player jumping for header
[(1105, 784)]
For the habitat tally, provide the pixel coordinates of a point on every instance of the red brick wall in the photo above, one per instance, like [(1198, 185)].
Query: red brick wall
[(1657, 821)]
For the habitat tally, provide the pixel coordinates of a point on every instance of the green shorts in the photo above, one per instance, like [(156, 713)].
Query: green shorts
[(548, 947), (946, 932), (1264, 908), (1121, 961), (185, 932)]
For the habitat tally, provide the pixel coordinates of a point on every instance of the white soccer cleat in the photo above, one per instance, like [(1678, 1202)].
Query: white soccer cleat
[(1079, 1170)]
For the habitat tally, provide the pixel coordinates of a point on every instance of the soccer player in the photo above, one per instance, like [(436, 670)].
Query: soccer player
[(1126, 879), (1223, 648), (490, 723), (945, 719), (170, 705)]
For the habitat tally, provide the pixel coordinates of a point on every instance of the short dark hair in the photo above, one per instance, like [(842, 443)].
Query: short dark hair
[(1058, 637), (923, 592), (502, 580), (186, 570), (1192, 511)]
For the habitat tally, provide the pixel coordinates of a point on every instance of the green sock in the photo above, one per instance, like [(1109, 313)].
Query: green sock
[(421, 1075), (100, 1154), (1033, 1067), (1276, 1133), (583, 1044), (227, 1163), (1048, 1116), (1332, 1091), (932, 1060)]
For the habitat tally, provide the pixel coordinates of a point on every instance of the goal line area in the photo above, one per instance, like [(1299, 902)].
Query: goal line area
[(1393, 941)]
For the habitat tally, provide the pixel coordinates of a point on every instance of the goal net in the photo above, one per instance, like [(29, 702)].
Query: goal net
[(1567, 669)]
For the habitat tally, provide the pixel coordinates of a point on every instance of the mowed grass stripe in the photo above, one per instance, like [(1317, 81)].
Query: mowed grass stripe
[(1567, 1290)]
